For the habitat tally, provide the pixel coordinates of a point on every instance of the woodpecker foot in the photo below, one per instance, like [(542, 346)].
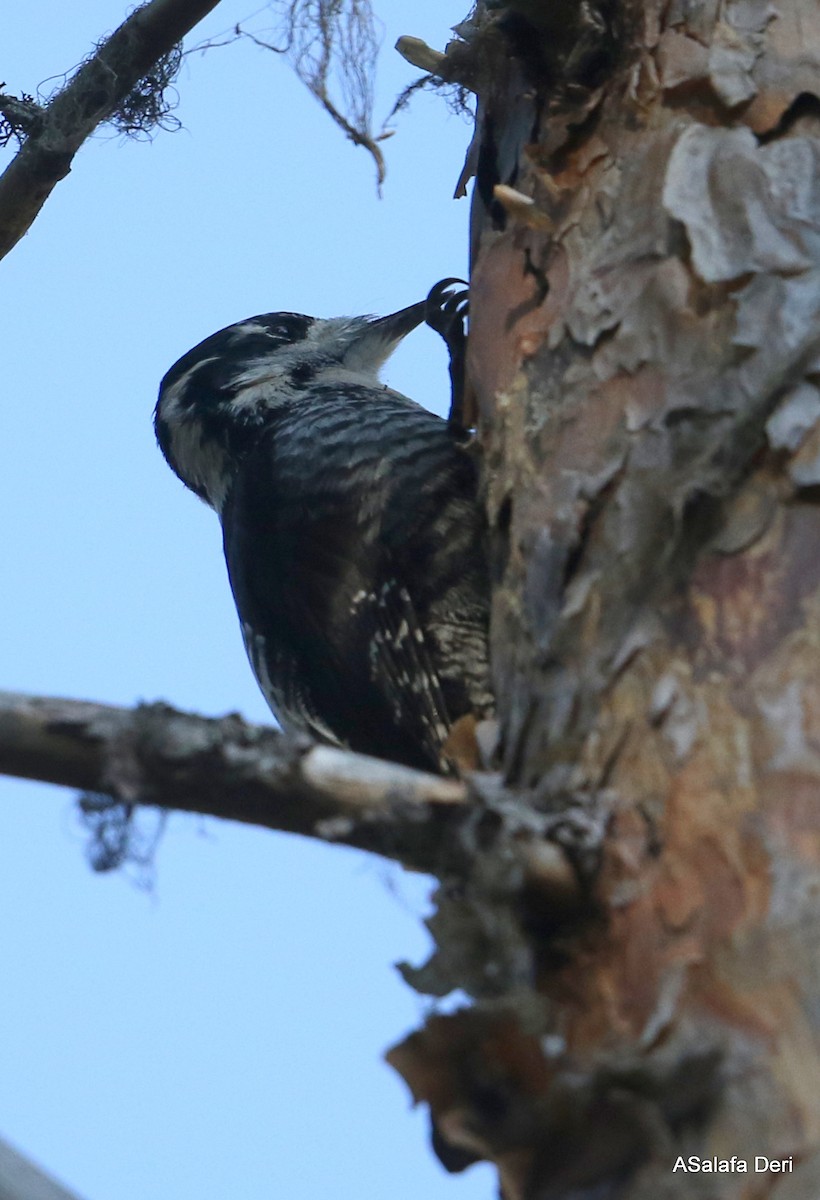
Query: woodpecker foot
[(446, 310)]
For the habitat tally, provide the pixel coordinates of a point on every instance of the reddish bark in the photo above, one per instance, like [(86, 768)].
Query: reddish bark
[(650, 421)]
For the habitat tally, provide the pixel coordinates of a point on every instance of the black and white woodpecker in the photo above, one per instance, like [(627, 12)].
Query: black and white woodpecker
[(353, 537)]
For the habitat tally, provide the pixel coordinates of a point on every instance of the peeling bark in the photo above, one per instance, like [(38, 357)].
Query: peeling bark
[(645, 352)]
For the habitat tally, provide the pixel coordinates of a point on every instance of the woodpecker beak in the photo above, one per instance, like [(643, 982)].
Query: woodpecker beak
[(398, 324), (375, 340)]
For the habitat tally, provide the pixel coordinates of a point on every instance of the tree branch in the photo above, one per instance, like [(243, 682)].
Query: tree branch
[(20, 1179), (89, 98), (155, 755)]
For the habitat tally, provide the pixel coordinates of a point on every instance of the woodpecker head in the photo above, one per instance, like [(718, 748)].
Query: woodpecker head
[(215, 399)]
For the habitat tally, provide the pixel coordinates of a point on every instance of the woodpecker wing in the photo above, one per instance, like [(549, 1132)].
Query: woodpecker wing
[(336, 571), (402, 663)]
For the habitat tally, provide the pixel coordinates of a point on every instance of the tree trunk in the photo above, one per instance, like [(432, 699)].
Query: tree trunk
[(644, 352)]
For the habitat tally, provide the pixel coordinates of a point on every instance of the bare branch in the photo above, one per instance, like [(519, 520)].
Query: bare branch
[(96, 90), (155, 755), (20, 117), (419, 54)]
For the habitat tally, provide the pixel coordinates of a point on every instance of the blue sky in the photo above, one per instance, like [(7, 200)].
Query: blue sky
[(222, 1035)]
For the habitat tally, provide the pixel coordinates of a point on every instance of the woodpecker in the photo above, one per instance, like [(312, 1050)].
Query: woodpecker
[(354, 540)]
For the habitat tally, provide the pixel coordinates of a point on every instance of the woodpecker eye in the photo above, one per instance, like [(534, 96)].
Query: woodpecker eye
[(258, 345), (303, 373), (286, 327)]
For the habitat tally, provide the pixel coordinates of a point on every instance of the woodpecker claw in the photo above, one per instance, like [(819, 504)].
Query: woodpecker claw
[(445, 305), (446, 309)]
